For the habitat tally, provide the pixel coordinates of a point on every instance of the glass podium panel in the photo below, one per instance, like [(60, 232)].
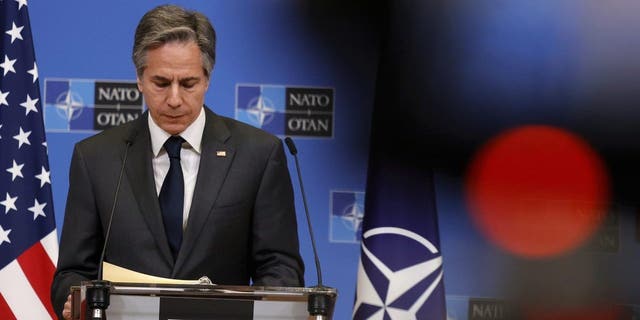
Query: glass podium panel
[(164, 301)]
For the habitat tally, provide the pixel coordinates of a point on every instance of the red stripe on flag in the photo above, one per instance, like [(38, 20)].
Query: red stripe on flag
[(39, 269), (5, 311)]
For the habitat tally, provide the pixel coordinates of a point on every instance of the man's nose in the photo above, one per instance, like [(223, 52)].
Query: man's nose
[(174, 99)]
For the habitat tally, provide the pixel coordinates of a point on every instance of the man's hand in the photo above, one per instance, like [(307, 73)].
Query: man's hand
[(66, 313)]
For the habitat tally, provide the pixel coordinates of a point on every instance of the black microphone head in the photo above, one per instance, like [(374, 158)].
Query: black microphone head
[(291, 146), (132, 135)]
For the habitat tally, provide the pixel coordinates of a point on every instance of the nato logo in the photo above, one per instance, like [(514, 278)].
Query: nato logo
[(286, 110), (396, 284), (78, 105), (347, 211)]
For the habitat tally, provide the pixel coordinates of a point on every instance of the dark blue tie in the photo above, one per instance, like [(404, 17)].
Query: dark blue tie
[(172, 195)]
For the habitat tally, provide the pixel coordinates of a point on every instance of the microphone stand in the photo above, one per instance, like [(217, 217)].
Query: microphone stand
[(98, 293), (318, 301)]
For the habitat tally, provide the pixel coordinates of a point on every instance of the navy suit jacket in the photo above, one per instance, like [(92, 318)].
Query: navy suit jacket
[(242, 225)]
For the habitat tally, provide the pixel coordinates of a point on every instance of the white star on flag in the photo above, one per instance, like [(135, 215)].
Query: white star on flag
[(4, 235), (9, 203), (23, 138), (34, 72), (37, 209), (30, 105), (7, 65), (16, 170), (15, 32), (21, 3), (3, 98), (44, 177)]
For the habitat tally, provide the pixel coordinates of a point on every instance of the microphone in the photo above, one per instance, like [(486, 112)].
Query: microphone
[(318, 302), (97, 296), (294, 152), (129, 142)]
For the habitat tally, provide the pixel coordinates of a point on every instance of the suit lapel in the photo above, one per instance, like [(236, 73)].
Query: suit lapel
[(215, 161), (140, 175)]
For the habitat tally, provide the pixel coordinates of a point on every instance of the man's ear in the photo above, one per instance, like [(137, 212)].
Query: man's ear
[(139, 83)]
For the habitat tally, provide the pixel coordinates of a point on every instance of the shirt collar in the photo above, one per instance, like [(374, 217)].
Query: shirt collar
[(192, 134)]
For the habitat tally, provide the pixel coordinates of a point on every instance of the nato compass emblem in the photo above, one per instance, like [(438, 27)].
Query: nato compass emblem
[(69, 105), (260, 110), (397, 274), (262, 106), (347, 211)]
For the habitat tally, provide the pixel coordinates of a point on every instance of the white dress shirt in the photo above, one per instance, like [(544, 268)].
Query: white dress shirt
[(189, 158)]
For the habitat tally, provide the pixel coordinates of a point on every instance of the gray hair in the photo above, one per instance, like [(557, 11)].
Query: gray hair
[(169, 23)]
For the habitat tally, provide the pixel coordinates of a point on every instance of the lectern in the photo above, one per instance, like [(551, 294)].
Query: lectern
[(165, 301)]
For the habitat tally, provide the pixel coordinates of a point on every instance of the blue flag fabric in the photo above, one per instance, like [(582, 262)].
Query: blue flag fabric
[(28, 239), (400, 274)]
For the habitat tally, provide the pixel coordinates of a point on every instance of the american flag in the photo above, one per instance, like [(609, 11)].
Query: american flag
[(28, 240)]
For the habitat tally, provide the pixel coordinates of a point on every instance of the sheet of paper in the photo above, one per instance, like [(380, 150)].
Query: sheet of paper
[(114, 273)]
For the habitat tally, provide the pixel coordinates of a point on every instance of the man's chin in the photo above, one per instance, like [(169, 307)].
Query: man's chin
[(173, 128)]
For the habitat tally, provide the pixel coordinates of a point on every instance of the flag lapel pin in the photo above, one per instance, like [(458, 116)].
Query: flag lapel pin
[(221, 153)]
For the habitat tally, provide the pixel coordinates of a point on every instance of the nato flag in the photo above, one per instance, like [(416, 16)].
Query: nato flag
[(400, 274), (400, 270)]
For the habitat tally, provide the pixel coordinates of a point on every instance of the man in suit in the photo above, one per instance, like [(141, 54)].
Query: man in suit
[(235, 218)]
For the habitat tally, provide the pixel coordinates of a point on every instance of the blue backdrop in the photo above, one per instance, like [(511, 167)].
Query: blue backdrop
[(469, 69)]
